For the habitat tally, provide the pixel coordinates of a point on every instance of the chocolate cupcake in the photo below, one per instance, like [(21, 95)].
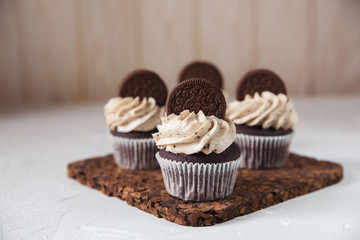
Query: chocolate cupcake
[(206, 70), (132, 118), (264, 117), (198, 157)]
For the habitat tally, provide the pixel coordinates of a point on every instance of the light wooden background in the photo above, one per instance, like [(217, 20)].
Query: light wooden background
[(78, 50)]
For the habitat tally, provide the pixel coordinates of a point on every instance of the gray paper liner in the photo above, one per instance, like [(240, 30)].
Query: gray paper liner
[(134, 153), (198, 181), (261, 152)]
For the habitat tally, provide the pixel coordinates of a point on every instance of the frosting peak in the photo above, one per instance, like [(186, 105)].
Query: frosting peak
[(191, 133), (266, 110), (130, 114)]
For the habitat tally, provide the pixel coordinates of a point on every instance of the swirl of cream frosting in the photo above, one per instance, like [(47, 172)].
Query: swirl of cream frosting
[(192, 133), (266, 110), (130, 114)]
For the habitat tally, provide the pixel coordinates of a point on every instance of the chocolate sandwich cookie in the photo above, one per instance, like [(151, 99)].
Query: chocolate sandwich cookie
[(202, 70), (259, 80), (144, 84), (197, 94)]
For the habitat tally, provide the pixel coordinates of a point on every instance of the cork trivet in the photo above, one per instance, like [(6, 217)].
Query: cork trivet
[(254, 189)]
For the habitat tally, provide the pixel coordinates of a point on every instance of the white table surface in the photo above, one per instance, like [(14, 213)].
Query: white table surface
[(38, 201)]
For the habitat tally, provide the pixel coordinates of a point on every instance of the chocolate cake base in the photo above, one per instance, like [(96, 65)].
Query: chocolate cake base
[(230, 154), (134, 134), (259, 131), (254, 189)]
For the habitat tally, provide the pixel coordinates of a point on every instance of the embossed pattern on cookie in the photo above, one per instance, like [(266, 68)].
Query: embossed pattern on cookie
[(259, 80), (144, 84), (197, 94)]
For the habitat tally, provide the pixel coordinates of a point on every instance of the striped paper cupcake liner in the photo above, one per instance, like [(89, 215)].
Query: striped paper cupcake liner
[(261, 152), (134, 153), (198, 181)]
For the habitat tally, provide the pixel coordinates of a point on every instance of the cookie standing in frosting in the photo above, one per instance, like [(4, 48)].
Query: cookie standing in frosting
[(130, 114), (144, 84), (206, 70), (265, 110), (197, 94), (191, 133), (195, 121), (140, 104), (259, 80), (201, 69)]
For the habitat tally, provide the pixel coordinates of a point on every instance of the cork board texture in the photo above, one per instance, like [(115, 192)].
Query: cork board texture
[(254, 189)]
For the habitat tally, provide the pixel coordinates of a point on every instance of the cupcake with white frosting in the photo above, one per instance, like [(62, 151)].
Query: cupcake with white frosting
[(132, 118), (197, 156), (264, 120)]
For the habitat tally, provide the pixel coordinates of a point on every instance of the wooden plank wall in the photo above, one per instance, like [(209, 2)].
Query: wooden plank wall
[(78, 50)]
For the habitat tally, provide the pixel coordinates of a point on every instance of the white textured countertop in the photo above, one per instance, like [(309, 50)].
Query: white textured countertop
[(38, 201)]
